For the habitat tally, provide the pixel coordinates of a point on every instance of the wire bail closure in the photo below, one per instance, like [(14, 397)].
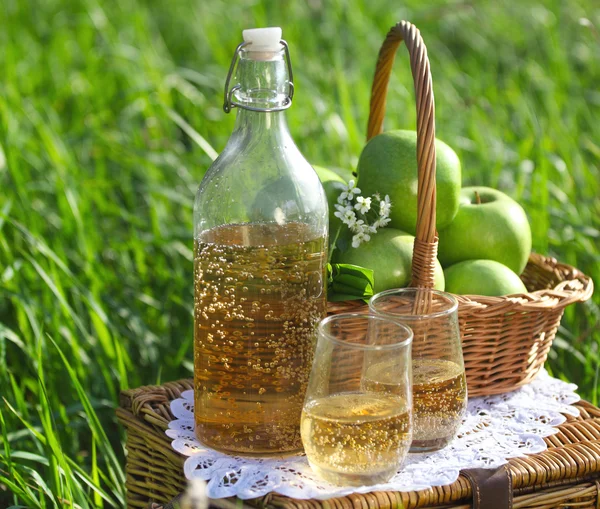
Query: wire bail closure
[(229, 103)]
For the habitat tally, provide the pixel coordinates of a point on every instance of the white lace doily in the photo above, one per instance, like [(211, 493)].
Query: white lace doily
[(495, 429)]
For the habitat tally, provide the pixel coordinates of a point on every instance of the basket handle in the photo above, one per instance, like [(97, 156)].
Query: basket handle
[(425, 248)]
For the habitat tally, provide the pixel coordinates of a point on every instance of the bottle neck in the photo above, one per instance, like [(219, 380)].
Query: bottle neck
[(264, 84), (263, 79), (252, 123)]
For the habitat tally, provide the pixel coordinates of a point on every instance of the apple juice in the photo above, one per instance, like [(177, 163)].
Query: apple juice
[(439, 393), (356, 438), (439, 402), (259, 293)]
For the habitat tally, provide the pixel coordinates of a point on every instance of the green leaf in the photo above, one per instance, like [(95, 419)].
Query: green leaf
[(349, 282)]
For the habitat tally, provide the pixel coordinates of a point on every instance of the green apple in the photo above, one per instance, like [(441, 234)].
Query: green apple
[(388, 165), (489, 226), (482, 277), (389, 255), (327, 173), (333, 183)]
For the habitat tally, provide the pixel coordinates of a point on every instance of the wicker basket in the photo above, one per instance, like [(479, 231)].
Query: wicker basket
[(505, 339), (567, 474)]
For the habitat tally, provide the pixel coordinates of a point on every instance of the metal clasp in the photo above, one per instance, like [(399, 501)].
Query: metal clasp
[(229, 103)]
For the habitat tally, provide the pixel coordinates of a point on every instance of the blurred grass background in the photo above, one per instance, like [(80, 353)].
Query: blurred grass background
[(110, 113)]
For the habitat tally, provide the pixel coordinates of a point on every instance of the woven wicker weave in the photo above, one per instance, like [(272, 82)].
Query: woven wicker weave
[(566, 475), (505, 339)]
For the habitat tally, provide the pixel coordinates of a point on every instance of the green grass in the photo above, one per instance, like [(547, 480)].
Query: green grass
[(110, 112)]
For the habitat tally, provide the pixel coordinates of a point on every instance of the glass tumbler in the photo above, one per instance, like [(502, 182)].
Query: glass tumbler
[(439, 382), (356, 423)]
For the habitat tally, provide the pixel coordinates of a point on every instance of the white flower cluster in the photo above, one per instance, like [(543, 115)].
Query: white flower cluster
[(364, 216)]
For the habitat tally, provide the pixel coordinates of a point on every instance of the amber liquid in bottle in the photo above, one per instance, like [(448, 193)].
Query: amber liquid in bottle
[(259, 294)]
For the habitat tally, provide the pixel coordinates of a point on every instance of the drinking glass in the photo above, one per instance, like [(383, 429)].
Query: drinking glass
[(439, 382), (356, 423)]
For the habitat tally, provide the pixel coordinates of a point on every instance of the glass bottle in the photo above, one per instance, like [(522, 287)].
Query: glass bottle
[(260, 251)]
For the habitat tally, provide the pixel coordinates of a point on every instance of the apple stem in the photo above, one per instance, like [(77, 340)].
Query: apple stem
[(477, 198)]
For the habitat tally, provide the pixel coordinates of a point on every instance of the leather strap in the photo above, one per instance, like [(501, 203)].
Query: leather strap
[(492, 489)]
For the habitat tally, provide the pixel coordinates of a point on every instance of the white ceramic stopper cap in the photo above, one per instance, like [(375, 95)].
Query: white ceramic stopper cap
[(263, 39)]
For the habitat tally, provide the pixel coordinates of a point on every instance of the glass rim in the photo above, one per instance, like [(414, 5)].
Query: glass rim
[(368, 316), (448, 297)]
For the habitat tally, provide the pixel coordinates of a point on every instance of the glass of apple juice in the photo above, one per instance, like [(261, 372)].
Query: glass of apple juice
[(439, 381), (356, 422)]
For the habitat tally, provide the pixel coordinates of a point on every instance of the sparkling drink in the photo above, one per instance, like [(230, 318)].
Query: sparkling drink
[(356, 438), (258, 296), (439, 387), (439, 398), (439, 402)]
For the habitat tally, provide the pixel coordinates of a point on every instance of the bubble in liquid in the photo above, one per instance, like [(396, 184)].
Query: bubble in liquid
[(257, 365)]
